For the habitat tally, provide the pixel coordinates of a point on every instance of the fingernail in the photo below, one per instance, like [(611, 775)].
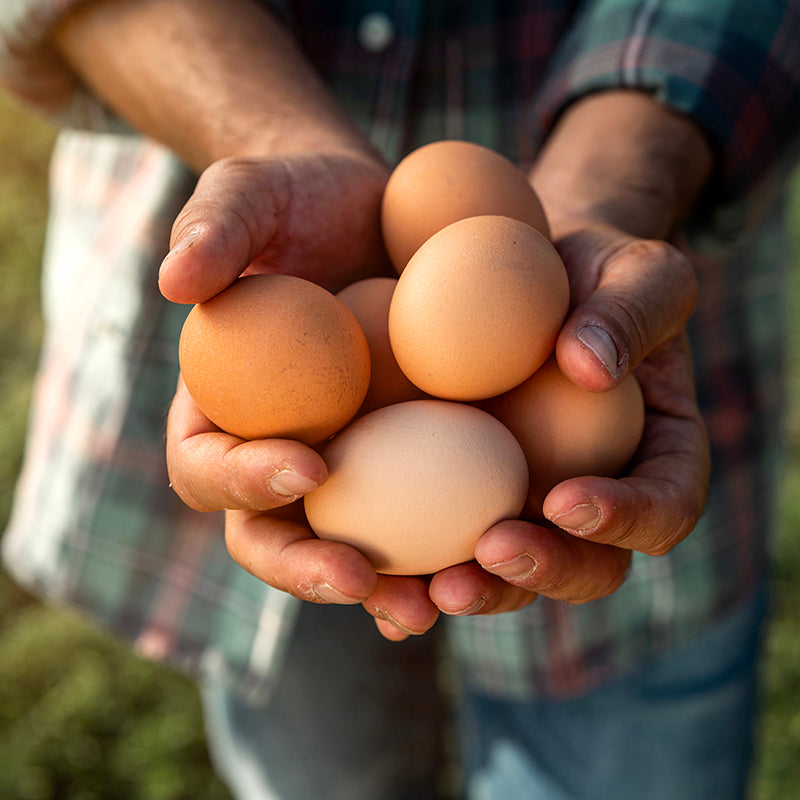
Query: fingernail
[(381, 613), (472, 608), (288, 483), (602, 345), (325, 593), (187, 241), (582, 518), (517, 569)]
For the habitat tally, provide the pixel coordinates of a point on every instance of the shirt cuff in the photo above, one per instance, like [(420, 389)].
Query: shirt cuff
[(32, 70), (729, 65)]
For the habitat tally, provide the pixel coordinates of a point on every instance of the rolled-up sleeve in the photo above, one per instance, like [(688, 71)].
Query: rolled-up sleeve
[(32, 70), (733, 66)]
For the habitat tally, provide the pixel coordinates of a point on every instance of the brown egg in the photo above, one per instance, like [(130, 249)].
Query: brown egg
[(275, 356), (369, 300), (478, 308), (415, 485), (566, 431), (445, 181)]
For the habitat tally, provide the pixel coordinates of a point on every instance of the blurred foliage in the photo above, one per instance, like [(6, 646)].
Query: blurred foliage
[(779, 740), (24, 144), (81, 718)]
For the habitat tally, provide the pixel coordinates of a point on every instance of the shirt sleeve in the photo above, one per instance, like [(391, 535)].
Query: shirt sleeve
[(33, 72), (733, 66)]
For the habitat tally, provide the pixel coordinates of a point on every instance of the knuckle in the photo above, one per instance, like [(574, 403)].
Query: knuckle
[(609, 581), (670, 281)]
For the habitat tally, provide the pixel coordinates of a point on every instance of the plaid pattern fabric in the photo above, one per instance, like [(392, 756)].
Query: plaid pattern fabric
[(95, 523)]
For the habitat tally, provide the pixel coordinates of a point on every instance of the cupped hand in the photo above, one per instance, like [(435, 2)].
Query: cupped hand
[(315, 216), (631, 299), (617, 175)]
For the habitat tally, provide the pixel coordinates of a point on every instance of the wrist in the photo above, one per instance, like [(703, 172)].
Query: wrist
[(619, 158)]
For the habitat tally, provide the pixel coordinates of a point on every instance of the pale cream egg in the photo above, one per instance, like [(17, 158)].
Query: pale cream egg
[(414, 485)]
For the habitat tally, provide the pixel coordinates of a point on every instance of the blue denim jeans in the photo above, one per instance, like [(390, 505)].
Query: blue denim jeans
[(358, 718), (678, 728)]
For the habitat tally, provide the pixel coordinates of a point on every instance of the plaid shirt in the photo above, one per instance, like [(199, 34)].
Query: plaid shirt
[(95, 524)]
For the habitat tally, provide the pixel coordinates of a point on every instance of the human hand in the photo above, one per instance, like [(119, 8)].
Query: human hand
[(631, 299), (317, 217), (191, 75), (616, 176)]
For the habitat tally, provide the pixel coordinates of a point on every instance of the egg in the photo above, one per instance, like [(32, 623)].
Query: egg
[(415, 485), (478, 308), (369, 300), (448, 180), (275, 356), (566, 431)]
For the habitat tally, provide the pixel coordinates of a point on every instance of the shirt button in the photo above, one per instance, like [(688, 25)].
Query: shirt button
[(375, 32)]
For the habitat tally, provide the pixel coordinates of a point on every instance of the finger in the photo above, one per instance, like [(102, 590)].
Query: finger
[(651, 511), (467, 590), (282, 552), (402, 603), (645, 293), (230, 219), (539, 560), (211, 470), (390, 631)]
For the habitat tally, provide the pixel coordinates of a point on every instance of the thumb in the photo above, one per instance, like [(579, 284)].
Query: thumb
[(229, 220), (644, 294)]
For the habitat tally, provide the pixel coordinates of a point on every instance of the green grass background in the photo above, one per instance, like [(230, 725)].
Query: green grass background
[(81, 718)]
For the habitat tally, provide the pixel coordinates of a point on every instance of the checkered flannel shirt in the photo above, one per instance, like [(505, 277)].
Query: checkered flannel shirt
[(95, 524)]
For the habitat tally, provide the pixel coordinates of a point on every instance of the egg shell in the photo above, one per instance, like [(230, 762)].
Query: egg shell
[(275, 356), (566, 431), (478, 308), (442, 182), (415, 485), (369, 300)]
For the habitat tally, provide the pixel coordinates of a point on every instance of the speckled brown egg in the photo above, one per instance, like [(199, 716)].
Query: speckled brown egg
[(448, 180), (369, 300), (275, 356), (415, 485), (566, 431), (478, 308)]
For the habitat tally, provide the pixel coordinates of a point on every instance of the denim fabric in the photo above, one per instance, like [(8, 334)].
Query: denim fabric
[(678, 728)]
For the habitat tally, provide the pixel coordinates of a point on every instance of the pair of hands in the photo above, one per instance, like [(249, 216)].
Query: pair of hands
[(290, 184), (316, 216)]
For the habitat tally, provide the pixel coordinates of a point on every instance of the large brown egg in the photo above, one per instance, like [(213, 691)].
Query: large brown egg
[(566, 431), (415, 485), (478, 308), (445, 181), (369, 300), (275, 356)]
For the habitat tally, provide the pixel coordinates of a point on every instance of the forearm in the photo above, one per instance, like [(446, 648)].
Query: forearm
[(207, 79), (620, 158)]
